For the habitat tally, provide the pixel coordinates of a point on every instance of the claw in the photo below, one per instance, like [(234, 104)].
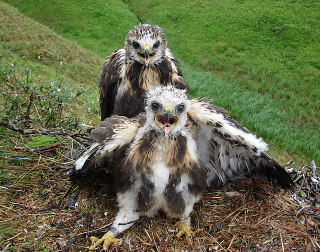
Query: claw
[(107, 239), (185, 229)]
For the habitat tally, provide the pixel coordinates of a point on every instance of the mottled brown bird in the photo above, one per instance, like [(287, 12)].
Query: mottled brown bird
[(164, 158), (143, 64)]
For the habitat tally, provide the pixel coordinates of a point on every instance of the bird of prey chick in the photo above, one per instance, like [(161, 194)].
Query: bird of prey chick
[(164, 158), (143, 64)]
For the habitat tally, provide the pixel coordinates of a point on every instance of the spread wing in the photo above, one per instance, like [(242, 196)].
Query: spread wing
[(230, 150), (112, 139), (110, 77)]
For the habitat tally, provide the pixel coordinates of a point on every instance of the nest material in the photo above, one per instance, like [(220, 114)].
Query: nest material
[(44, 211)]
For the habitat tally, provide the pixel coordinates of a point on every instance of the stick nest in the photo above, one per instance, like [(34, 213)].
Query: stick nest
[(42, 210)]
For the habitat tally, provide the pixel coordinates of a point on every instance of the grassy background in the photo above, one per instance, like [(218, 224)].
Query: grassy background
[(92, 24), (259, 60), (36, 59)]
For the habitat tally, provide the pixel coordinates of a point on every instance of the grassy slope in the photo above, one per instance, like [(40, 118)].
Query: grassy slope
[(32, 51), (92, 24), (258, 113), (260, 50), (34, 42)]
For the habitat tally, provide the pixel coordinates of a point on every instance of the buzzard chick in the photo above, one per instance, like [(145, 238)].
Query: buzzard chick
[(130, 72), (162, 170), (165, 157)]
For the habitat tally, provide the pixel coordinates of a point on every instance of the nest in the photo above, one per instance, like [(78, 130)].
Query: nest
[(42, 210)]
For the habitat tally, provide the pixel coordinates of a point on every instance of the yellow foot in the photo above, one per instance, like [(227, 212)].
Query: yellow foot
[(185, 229), (107, 239)]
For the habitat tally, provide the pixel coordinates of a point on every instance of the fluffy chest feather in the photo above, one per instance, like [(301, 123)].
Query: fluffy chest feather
[(138, 78), (164, 174), (132, 89)]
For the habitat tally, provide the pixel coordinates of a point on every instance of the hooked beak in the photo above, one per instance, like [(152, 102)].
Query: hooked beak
[(167, 121), (146, 54)]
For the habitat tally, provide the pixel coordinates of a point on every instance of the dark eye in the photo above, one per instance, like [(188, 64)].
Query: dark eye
[(156, 45), (154, 106), (180, 108), (135, 45)]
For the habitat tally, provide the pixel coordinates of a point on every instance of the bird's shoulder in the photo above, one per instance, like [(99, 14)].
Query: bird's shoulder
[(112, 68)]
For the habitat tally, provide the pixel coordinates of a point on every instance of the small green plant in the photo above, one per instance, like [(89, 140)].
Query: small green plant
[(26, 102)]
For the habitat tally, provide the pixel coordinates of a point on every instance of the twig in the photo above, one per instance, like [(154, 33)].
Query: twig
[(56, 203), (64, 195), (74, 136), (5, 249), (46, 147), (288, 163), (314, 168), (282, 245), (31, 132), (39, 149), (231, 242), (27, 115), (11, 238), (82, 235)]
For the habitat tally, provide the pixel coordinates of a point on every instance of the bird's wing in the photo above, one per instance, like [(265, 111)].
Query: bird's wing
[(230, 150), (112, 139), (177, 79), (110, 77)]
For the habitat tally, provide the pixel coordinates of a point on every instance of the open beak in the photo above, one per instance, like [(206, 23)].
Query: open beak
[(146, 54), (167, 121)]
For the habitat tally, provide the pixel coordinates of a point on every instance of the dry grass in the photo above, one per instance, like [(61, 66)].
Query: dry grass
[(38, 213)]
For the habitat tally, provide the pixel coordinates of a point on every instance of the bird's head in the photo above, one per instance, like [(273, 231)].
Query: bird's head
[(167, 109), (145, 44)]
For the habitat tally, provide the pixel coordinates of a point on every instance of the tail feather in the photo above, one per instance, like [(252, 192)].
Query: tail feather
[(274, 171), (262, 166)]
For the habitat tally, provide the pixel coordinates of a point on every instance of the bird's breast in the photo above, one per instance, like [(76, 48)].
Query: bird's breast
[(149, 79)]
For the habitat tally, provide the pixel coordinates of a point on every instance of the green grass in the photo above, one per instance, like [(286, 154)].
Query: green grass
[(258, 113), (92, 24), (24, 38), (39, 141), (33, 59), (264, 54)]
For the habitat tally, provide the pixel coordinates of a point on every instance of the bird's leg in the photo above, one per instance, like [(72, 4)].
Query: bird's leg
[(184, 228), (125, 218)]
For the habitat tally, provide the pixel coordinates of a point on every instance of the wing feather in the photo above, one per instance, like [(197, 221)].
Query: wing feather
[(112, 139), (230, 150), (110, 78), (177, 79)]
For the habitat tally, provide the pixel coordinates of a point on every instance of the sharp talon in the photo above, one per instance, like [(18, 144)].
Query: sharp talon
[(185, 229), (106, 240), (197, 231), (94, 239)]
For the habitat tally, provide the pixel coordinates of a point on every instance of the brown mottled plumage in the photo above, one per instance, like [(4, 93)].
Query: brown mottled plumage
[(170, 154), (144, 63)]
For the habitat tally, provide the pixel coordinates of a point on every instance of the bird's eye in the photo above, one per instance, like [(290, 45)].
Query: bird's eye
[(135, 45), (156, 45), (180, 108), (154, 106)]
